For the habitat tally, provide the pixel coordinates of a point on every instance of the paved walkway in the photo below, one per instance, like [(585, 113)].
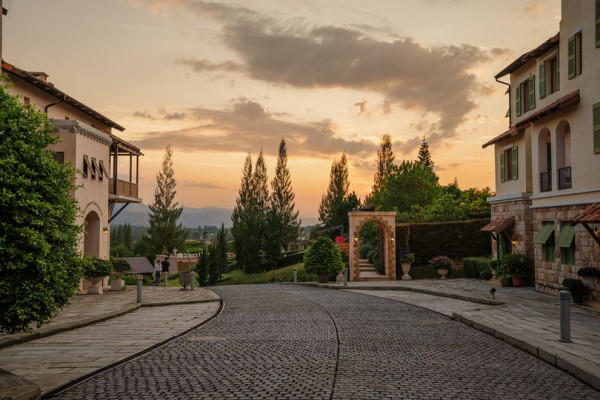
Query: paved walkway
[(66, 352), (523, 318), (294, 342)]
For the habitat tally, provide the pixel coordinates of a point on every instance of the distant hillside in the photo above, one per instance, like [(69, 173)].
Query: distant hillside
[(137, 215)]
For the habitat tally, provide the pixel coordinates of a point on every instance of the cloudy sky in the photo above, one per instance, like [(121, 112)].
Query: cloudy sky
[(217, 80)]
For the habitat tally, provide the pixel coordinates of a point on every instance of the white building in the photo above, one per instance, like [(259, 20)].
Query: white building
[(548, 161)]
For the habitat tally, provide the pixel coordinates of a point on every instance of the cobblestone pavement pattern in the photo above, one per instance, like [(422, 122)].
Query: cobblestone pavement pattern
[(290, 342)]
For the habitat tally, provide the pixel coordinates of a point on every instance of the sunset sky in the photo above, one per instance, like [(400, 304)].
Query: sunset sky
[(219, 79)]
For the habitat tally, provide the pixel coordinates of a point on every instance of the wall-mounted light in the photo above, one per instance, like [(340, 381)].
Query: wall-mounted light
[(596, 231), (515, 242), (355, 240), (105, 230), (392, 239)]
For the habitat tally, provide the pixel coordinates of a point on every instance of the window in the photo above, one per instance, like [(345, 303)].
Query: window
[(574, 52), (549, 77), (59, 156), (509, 164), (26, 100), (566, 243), (546, 238), (525, 96), (597, 23), (94, 168), (86, 166), (102, 172), (596, 124)]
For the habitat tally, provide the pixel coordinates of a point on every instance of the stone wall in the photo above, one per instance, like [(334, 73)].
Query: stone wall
[(549, 275), (522, 231)]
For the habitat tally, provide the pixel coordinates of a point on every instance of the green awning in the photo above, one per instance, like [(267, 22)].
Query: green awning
[(567, 234), (542, 237)]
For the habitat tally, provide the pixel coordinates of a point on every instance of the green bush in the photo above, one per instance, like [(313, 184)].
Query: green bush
[(575, 286), (131, 280), (422, 272), (486, 275), (404, 257), (291, 259), (505, 281), (96, 267), (516, 264), (457, 239), (120, 265), (365, 249), (323, 257), (474, 266)]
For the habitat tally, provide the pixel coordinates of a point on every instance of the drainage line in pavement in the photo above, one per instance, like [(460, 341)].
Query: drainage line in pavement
[(130, 358), (337, 336)]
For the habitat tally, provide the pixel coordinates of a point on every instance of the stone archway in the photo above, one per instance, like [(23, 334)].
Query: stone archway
[(91, 235), (386, 220)]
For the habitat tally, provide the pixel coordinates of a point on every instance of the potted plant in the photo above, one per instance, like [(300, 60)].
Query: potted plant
[(94, 269), (518, 266), (120, 267), (323, 258), (406, 259), (486, 275), (443, 265), (577, 288), (589, 276)]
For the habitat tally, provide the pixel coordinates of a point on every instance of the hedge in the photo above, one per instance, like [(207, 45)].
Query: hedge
[(295, 258), (456, 239), (474, 266)]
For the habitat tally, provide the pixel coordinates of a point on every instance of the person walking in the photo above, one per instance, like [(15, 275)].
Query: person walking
[(165, 268), (157, 270)]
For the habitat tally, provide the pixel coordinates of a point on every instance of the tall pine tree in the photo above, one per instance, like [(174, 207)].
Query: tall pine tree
[(165, 211), (282, 219), (424, 154), (337, 202), (242, 206), (385, 162)]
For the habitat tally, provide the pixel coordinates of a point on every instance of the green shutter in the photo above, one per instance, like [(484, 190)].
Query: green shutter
[(502, 171), (515, 163), (571, 59), (531, 93), (542, 89), (518, 100), (544, 234), (567, 234), (597, 128), (597, 23)]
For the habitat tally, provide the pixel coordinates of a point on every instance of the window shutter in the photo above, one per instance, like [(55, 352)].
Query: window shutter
[(571, 60), (597, 23), (597, 128), (518, 100), (502, 173), (542, 89), (515, 163), (531, 92)]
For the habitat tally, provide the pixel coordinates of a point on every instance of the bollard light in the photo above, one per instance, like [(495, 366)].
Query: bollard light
[(295, 275), (139, 288), (345, 276), (565, 316)]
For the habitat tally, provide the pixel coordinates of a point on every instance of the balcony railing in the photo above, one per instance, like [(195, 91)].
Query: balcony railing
[(564, 178), (123, 188), (545, 181)]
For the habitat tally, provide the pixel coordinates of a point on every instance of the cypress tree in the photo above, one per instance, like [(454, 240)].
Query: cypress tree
[(165, 211), (424, 154), (385, 162)]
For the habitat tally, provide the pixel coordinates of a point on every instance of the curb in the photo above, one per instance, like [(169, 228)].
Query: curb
[(132, 357), (49, 331), (410, 289), (584, 370)]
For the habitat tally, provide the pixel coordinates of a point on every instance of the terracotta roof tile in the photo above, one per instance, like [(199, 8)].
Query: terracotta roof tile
[(558, 105), (499, 224), (530, 55), (590, 215)]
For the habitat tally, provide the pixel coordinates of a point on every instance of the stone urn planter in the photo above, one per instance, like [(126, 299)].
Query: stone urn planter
[(443, 272), (96, 287), (117, 283), (405, 271)]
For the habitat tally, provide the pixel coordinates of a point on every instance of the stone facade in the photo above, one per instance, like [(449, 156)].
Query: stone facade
[(521, 234), (549, 275)]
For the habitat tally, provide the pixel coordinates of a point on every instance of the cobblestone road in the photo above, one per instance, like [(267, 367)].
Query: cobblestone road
[(288, 342)]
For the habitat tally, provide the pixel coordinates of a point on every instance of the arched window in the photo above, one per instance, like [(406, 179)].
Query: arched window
[(545, 160), (563, 155)]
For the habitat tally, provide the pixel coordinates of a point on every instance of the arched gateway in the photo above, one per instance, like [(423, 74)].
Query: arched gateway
[(386, 221)]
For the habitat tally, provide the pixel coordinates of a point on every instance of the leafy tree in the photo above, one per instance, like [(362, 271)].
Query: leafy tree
[(337, 202), (164, 212), (424, 154), (282, 220), (408, 184), (242, 205), (323, 257), (385, 162), (40, 268)]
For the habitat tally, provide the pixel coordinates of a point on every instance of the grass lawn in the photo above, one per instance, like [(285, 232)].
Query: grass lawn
[(286, 274)]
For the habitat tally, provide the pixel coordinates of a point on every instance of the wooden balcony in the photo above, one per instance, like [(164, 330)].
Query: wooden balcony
[(123, 192)]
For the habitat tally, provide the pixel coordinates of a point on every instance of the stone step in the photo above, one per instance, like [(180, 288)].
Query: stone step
[(361, 269)]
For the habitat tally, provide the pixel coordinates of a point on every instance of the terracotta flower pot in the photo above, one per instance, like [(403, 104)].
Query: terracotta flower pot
[(517, 281)]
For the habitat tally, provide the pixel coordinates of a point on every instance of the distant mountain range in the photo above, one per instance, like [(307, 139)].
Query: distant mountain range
[(137, 215)]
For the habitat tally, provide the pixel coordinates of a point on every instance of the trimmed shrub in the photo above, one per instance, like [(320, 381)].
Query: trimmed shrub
[(474, 266), (486, 275), (516, 264), (506, 281), (456, 239), (119, 265), (323, 257), (96, 267)]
